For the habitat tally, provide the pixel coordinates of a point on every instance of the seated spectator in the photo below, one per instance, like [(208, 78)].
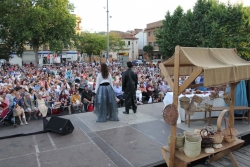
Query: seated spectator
[(72, 90), (118, 92), (158, 94), (45, 94), (3, 105), (139, 94), (53, 101), (87, 97), (144, 91), (29, 106), (42, 105), (18, 110), (5, 99), (150, 89), (76, 100), (63, 98)]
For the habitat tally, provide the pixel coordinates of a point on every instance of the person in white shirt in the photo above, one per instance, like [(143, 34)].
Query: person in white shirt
[(105, 106)]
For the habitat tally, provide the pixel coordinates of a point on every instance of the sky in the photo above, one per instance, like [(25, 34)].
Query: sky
[(128, 14)]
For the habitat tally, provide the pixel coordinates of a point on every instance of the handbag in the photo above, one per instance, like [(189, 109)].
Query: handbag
[(90, 108)]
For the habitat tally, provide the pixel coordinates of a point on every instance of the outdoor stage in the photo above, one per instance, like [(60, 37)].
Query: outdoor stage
[(136, 140)]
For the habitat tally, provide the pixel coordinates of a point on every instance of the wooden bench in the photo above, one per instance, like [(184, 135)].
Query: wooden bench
[(244, 108), (181, 160)]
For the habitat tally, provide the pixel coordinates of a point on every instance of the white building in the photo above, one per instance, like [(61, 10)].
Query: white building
[(130, 51), (142, 41)]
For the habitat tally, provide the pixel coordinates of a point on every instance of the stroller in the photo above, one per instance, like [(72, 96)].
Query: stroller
[(7, 115)]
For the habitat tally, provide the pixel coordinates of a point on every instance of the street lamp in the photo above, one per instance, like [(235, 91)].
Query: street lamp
[(107, 31), (142, 44)]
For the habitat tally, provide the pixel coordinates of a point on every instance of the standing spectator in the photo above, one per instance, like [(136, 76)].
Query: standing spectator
[(129, 87)]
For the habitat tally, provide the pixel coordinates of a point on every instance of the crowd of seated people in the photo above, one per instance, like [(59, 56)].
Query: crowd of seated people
[(29, 91)]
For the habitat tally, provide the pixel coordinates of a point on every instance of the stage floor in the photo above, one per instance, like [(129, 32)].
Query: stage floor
[(135, 140)]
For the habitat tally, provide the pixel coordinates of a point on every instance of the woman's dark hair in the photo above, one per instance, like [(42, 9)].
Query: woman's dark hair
[(104, 70)]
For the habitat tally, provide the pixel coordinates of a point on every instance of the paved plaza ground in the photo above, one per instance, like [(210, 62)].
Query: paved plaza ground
[(136, 140)]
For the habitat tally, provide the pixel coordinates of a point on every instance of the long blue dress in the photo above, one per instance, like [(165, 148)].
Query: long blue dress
[(240, 96)]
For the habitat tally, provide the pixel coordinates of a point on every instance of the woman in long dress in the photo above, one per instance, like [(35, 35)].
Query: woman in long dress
[(105, 100)]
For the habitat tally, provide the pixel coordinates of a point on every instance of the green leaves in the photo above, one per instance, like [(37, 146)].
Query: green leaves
[(148, 49), (90, 43), (210, 24), (95, 43), (37, 22)]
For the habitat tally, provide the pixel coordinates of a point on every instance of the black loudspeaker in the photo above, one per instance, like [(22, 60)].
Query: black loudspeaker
[(59, 125)]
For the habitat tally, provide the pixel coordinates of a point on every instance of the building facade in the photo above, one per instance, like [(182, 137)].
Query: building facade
[(151, 39), (142, 41), (130, 50)]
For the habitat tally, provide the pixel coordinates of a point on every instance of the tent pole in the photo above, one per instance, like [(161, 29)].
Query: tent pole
[(196, 72), (175, 100), (167, 76), (231, 108)]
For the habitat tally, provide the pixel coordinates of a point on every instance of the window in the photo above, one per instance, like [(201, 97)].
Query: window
[(154, 32), (150, 43), (128, 42), (149, 33), (155, 44)]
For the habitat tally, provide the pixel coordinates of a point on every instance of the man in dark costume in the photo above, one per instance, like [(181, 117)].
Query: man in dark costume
[(129, 87)]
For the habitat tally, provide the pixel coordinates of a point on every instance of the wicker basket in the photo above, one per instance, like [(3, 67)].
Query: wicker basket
[(184, 102), (191, 109), (208, 107), (192, 144), (227, 98), (214, 95), (217, 137), (170, 114), (206, 142), (179, 141), (197, 99), (230, 134)]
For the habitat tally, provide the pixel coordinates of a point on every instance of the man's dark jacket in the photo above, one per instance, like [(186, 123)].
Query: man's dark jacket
[(129, 87)]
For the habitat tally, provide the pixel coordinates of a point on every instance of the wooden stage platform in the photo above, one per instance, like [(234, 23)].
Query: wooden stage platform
[(135, 140)]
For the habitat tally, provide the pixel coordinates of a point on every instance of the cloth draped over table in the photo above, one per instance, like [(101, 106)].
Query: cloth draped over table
[(240, 96)]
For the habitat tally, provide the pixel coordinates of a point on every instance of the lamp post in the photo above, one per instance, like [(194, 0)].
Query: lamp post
[(107, 31)]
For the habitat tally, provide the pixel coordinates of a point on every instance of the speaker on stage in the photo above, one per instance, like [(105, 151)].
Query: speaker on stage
[(59, 125)]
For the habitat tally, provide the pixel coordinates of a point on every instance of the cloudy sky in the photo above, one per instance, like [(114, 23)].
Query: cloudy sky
[(128, 14)]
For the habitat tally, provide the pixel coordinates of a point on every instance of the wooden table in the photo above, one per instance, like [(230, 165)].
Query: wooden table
[(244, 108), (181, 160)]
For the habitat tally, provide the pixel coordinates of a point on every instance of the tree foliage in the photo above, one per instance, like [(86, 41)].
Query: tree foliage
[(95, 43), (210, 24), (116, 43), (36, 22), (148, 49)]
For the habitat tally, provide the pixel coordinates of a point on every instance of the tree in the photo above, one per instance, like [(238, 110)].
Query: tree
[(37, 22), (148, 49), (171, 34), (12, 26), (90, 43), (210, 24), (116, 43)]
